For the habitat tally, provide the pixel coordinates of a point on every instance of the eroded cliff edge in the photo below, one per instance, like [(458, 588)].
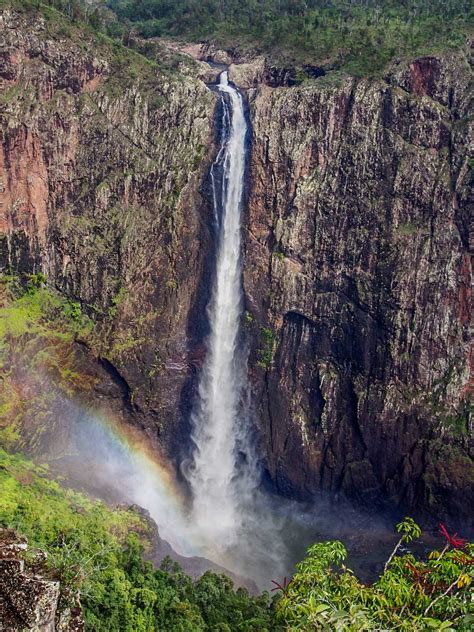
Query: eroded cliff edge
[(357, 269)]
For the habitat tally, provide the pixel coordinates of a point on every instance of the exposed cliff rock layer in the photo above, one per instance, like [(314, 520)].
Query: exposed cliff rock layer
[(357, 265), (102, 158)]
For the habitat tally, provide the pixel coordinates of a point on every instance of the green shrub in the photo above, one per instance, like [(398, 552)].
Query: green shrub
[(411, 594), (38, 310), (267, 347)]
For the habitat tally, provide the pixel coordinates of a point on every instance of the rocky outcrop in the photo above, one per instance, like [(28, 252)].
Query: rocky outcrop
[(27, 600), (357, 278), (247, 68)]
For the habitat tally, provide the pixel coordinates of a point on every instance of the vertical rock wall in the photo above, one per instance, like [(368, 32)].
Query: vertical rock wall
[(357, 277), (357, 263), (102, 158)]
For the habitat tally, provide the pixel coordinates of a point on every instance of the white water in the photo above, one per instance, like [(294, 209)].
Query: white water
[(219, 485)]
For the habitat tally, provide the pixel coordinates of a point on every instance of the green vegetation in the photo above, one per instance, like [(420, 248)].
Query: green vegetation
[(12, 93), (279, 255), (361, 36), (409, 228), (92, 26), (38, 362), (267, 347), (410, 595), (458, 423), (35, 309), (248, 319), (116, 301), (99, 550), (31, 308)]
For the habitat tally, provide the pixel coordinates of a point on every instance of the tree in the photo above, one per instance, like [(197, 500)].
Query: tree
[(410, 595)]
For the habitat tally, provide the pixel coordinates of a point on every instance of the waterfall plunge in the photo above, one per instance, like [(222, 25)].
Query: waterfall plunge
[(220, 485)]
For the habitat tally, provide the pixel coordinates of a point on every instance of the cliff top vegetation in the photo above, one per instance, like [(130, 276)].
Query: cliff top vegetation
[(94, 27), (361, 36)]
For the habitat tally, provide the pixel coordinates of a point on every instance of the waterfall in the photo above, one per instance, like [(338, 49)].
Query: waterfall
[(218, 481)]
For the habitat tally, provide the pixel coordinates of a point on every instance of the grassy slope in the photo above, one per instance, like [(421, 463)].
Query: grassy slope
[(98, 550), (84, 539)]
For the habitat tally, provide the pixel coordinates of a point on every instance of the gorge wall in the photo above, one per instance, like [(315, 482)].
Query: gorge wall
[(358, 267), (356, 273), (103, 154)]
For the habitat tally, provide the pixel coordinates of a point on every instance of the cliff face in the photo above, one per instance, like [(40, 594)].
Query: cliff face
[(357, 269), (357, 277), (102, 157)]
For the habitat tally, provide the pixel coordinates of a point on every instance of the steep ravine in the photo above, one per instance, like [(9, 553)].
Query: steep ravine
[(356, 263)]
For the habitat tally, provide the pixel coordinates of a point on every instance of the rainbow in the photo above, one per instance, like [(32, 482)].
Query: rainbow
[(120, 461)]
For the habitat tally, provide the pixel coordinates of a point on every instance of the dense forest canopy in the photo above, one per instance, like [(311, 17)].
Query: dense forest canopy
[(362, 35)]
